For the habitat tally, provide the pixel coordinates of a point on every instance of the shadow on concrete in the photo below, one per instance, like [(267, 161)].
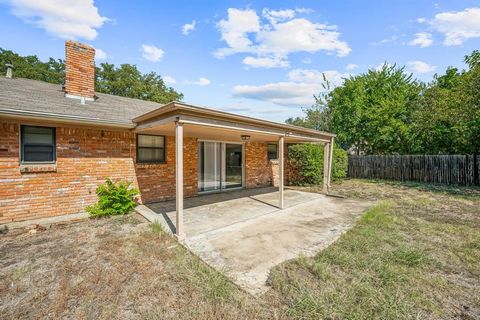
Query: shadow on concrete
[(208, 198)]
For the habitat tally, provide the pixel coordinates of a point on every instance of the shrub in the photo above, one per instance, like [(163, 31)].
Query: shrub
[(113, 199), (306, 161)]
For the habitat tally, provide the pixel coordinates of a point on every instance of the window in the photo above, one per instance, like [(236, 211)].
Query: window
[(37, 144), (272, 151), (150, 148)]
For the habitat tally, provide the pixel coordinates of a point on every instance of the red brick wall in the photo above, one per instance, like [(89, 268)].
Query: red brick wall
[(258, 169), (157, 181), (85, 158)]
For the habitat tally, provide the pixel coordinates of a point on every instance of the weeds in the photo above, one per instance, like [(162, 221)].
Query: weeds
[(156, 227), (215, 285)]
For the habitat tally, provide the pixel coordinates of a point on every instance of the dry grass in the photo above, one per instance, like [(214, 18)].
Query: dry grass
[(109, 268), (415, 255)]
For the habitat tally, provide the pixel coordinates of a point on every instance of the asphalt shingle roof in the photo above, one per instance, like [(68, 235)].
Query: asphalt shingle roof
[(38, 96)]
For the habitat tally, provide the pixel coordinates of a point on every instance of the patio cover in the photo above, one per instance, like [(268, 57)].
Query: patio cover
[(185, 120)]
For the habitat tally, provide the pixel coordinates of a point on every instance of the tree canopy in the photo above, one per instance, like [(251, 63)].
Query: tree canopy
[(31, 67), (387, 111), (126, 80)]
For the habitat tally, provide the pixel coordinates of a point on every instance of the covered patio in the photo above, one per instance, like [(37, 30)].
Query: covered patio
[(213, 211), (185, 121)]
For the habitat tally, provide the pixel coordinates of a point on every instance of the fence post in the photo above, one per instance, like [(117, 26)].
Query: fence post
[(476, 173)]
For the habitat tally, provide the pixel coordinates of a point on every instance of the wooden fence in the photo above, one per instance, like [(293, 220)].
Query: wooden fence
[(443, 169)]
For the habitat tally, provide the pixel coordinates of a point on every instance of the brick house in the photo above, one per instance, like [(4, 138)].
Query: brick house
[(58, 144)]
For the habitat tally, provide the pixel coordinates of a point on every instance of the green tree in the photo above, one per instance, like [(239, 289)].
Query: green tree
[(372, 112), (471, 110), (126, 81), (387, 111), (31, 67), (448, 117), (318, 116)]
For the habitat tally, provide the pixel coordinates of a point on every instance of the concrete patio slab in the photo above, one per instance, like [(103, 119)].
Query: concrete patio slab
[(246, 234)]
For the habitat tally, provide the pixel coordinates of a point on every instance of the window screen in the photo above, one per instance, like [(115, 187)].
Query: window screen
[(37, 144), (150, 148), (272, 151)]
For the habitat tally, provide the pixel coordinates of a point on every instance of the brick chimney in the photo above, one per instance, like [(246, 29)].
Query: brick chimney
[(79, 71)]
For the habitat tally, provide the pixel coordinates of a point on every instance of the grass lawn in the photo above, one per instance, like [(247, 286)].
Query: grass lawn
[(416, 254)]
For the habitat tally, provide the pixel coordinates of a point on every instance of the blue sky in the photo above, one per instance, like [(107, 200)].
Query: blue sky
[(264, 58)]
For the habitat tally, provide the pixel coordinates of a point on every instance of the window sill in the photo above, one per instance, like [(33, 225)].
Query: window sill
[(274, 161), (151, 162), (38, 167)]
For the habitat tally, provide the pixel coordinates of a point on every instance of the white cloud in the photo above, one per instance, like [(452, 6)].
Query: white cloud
[(266, 62), (202, 82), (304, 10), (386, 40), (68, 19), (351, 66), (275, 16), (274, 39), (422, 39), (281, 93), (457, 27), (420, 67), (314, 76), (303, 84), (152, 53), (188, 27), (301, 35), (235, 31), (169, 80), (307, 60), (100, 54)]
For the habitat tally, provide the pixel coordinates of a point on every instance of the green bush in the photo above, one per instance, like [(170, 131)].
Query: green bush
[(113, 199), (306, 161)]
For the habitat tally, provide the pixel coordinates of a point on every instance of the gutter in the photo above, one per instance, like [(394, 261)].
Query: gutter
[(38, 115)]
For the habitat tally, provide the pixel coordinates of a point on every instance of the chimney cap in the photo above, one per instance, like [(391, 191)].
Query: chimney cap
[(9, 70)]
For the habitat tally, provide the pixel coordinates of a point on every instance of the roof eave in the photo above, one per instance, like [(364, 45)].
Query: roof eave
[(180, 106), (35, 115)]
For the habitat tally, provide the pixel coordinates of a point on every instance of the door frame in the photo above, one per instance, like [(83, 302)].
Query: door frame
[(242, 143)]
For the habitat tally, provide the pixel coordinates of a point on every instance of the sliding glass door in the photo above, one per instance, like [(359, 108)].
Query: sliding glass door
[(233, 166), (220, 166)]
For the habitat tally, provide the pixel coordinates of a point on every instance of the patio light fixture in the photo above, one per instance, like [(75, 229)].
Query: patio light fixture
[(245, 137)]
